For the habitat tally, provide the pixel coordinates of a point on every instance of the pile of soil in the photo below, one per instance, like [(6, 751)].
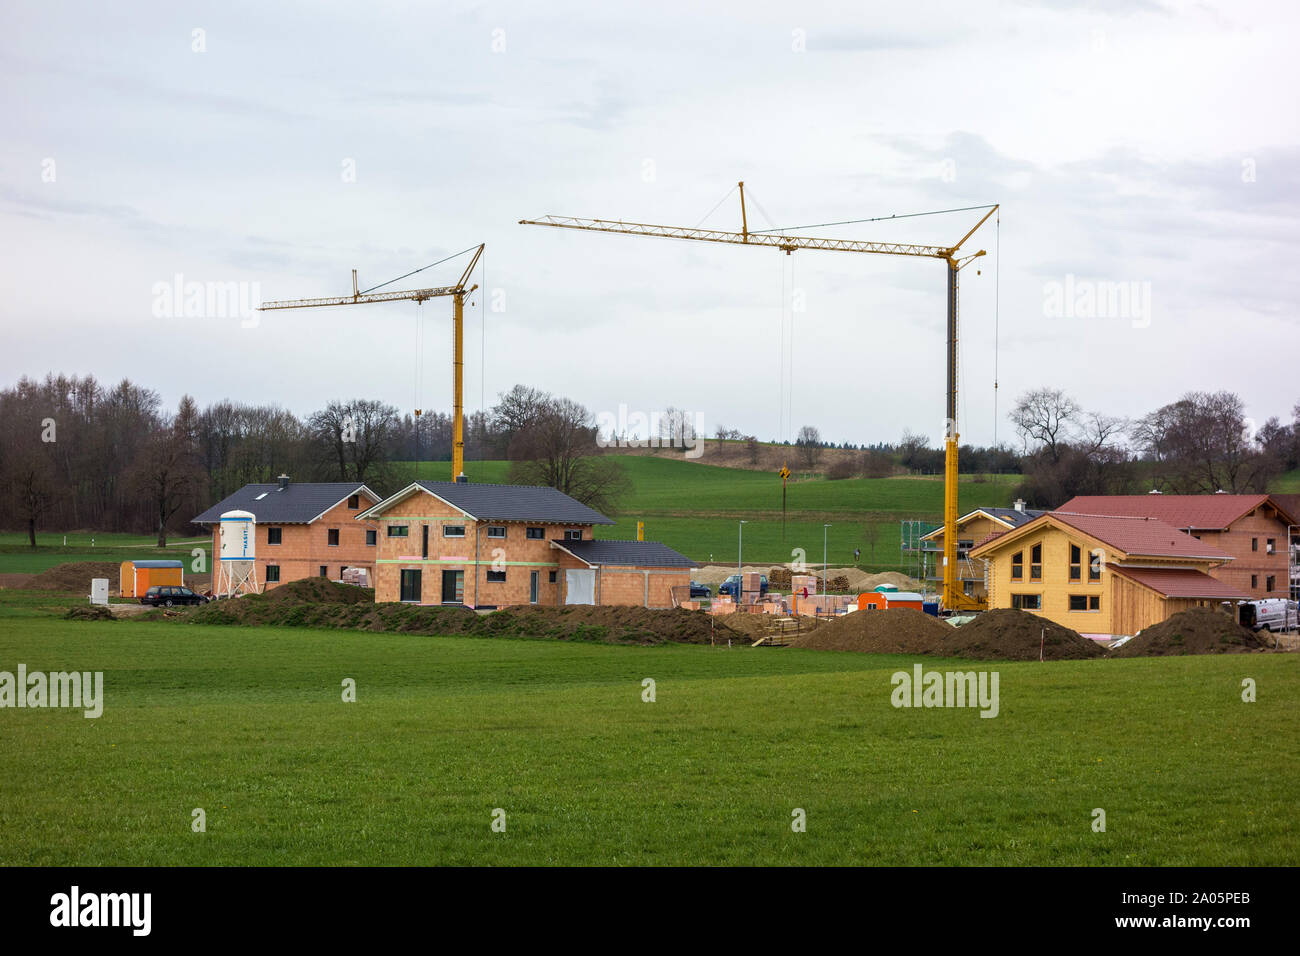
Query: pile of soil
[(90, 612), (320, 591), (76, 576), (1198, 630), (16, 580), (892, 631), (615, 625), (1008, 634), (1001, 635)]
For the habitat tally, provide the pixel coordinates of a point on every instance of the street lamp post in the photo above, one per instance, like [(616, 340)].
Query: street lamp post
[(740, 564)]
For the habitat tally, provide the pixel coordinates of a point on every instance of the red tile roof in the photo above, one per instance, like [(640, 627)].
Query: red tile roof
[(1182, 583), (1208, 512), (1140, 536), (987, 538)]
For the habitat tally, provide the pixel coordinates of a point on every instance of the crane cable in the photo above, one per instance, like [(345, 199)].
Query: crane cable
[(421, 269), (997, 292)]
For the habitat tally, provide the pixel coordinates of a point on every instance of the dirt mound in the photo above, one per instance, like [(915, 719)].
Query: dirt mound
[(90, 612), (892, 631), (16, 580), (76, 576), (1007, 634), (321, 591), (616, 625), (1198, 630)]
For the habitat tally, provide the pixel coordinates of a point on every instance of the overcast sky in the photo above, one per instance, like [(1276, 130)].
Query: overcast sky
[(282, 145)]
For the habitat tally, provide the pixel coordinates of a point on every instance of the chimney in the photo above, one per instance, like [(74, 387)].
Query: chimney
[(1155, 491), (461, 479), (1020, 504), (284, 482), (1220, 492)]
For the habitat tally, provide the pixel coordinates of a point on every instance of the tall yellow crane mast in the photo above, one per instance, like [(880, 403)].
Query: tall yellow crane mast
[(953, 597), (458, 293)]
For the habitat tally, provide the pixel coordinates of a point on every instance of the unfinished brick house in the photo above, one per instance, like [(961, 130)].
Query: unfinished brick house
[(1253, 529), (489, 546), (304, 529)]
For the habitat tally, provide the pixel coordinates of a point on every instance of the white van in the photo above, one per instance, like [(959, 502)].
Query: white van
[(1272, 614)]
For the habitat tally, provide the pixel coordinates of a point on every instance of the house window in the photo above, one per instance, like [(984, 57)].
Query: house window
[(1270, 545), (399, 530), (1094, 566), (272, 573), (1036, 563), (324, 570), (496, 577), (496, 531), (963, 547), (1076, 564), (354, 502), (453, 531), (551, 577), (1254, 544), (333, 537), (1268, 583), (535, 534), (1254, 581), (273, 535), (370, 537), (1085, 602), (1027, 602), (573, 535), (1018, 566)]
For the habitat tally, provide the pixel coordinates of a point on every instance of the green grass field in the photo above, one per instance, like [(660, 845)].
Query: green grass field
[(17, 557), (250, 726), (696, 509)]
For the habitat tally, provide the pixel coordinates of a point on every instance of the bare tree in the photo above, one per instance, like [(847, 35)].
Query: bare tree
[(1046, 418), (558, 449), (809, 443), (1203, 443)]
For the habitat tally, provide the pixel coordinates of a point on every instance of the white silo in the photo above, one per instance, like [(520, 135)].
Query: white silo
[(236, 562)]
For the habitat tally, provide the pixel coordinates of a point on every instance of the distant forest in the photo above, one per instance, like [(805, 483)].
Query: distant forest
[(78, 454)]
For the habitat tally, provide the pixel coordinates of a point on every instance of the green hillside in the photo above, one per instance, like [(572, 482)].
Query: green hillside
[(697, 508)]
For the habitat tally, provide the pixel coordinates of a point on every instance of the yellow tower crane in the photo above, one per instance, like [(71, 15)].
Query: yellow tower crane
[(458, 293), (953, 597)]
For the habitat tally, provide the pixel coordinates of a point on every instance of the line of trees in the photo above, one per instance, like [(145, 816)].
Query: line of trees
[(76, 453)]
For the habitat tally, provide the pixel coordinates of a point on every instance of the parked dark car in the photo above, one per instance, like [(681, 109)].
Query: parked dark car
[(168, 595), (700, 590), (732, 584)]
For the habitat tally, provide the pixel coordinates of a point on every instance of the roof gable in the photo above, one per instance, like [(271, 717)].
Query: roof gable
[(485, 502), (1145, 537), (301, 502)]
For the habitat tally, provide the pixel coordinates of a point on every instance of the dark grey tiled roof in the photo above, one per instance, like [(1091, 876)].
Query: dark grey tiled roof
[(642, 554), (514, 503), (1012, 516), (297, 504)]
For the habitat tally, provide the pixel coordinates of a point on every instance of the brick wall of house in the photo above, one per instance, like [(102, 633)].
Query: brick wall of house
[(643, 587), (304, 548), (1252, 566), (476, 555)]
